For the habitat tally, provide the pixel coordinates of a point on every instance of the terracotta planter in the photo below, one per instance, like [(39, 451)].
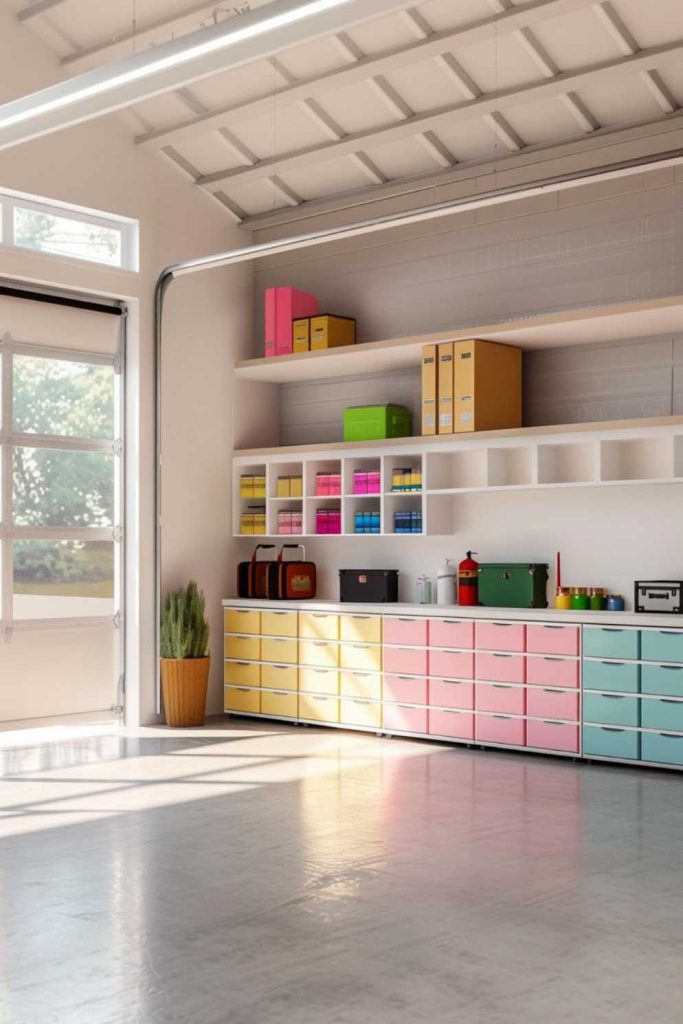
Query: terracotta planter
[(184, 683)]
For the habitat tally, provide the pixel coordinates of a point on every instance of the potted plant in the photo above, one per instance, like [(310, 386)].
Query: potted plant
[(184, 660)]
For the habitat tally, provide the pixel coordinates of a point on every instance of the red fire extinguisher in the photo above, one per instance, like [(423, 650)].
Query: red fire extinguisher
[(468, 581)]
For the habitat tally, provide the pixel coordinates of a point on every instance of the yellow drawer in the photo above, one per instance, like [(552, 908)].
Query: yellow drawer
[(319, 653), (241, 620), (280, 677), (239, 698), (361, 628), (318, 626), (275, 702), (366, 713), (282, 652), (360, 684), (319, 680), (279, 623), (242, 673), (361, 657), (243, 648), (318, 709)]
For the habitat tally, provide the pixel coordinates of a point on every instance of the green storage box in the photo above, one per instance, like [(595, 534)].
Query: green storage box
[(513, 585), (376, 422)]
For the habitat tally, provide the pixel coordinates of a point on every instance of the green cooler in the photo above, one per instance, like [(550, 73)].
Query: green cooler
[(376, 422), (513, 585)]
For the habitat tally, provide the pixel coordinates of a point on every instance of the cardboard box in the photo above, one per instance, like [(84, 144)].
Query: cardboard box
[(332, 332), (301, 334), (445, 387), (429, 389), (283, 306), (487, 391)]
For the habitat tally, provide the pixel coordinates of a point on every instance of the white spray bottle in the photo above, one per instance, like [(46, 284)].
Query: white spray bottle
[(445, 583)]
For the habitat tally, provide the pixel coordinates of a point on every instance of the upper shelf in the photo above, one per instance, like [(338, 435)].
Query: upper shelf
[(553, 330)]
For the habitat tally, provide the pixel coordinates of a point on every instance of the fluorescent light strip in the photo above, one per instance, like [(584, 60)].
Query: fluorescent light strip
[(240, 35)]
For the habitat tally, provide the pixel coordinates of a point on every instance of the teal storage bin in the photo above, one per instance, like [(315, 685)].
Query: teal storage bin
[(620, 676), (662, 680), (610, 742), (376, 422), (658, 645), (663, 714), (611, 642), (662, 748), (609, 709)]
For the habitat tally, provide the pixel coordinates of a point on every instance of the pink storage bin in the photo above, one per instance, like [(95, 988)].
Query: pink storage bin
[(496, 729), (322, 522), (282, 306), (544, 703), (451, 633), (406, 661), (547, 639), (405, 631), (360, 483), (553, 736), (548, 671), (399, 718), (451, 693), (335, 484), (451, 664), (405, 689), (500, 668), (459, 725), (334, 522), (374, 485), (499, 698), (322, 485), (500, 636)]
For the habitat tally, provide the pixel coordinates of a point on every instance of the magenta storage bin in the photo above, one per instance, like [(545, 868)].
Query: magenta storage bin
[(500, 668), (400, 718), (374, 485), (553, 736), (405, 689), (451, 633), (405, 631), (500, 636), (451, 693), (407, 661), (282, 306), (499, 698), (542, 639), (335, 484), (451, 664), (497, 729), (360, 483), (550, 671), (543, 703), (458, 725), (334, 519)]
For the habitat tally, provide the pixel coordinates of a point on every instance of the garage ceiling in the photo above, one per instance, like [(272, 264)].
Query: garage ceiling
[(436, 85)]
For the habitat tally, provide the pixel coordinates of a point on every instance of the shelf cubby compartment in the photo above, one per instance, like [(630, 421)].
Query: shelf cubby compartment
[(314, 468), (242, 503), (284, 469), (570, 463), (402, 503), (638, 458), (409, 461), (315, 503), (361, 465), (462, 470), (366, 505), (509, 467)]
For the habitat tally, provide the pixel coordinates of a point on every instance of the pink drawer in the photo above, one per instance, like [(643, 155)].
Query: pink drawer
[(451, 633), (401, 718), (498, 729), (553, 736), (405, 689), (552, 672), (500, 668), (451, 693), (405, 631), (451, 664), (548, 639), (404, 660), (499, 698), (500, 636), (457, 724), (543, 703)]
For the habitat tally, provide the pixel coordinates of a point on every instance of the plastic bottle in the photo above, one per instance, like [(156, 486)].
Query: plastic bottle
[(445, 583)]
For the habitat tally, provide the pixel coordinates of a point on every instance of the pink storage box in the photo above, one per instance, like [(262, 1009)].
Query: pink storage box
[(546, 639), (404, 631), (283, 305), (543, 671), (360, 483), (374, 486), (553, 736), (451, 633), (399, 718), (497, 729), (404, 660), (405, 689), (451, 693), (335, 484), (459, 725), (499, 698), (322, 485), (500, 636), (451, 664), (500, 668), (545, 703)]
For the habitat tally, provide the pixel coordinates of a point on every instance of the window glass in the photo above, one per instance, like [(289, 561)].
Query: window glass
[(66, 236), (63, 578), (56, 396), (53, 487)]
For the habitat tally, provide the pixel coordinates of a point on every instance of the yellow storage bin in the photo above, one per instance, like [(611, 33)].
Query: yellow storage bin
[(279, 623), (319, 680), (318, 709), (259, 486), (242, 673), (319, 653), (280, 677), (361, 628), (282, 652), (318, 626), (242, 648), (361, 657), (296, 486), (365, 713), (282, 705), (362, 685), (239, 698), (241, 620)]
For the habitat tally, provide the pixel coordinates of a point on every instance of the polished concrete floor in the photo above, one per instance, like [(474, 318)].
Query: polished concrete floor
[(260, 874)]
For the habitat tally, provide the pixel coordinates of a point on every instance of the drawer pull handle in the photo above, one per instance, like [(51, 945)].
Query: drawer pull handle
[(613, 663), (549, 721), (672, 668), (361, 702), (242, 664), (407, 620), (243, 689), (665, 701), (406, 707), (500, 686), (497, 654), (453, 682), (546, 690), (612, 629), (361, 647), (506, 718), (613, 696), (550, 626), (671, 632), (552, 659), (361, 618), (280, 693), (281, 668), (283, 613), (609, 728), (319, 615), (670, 736)]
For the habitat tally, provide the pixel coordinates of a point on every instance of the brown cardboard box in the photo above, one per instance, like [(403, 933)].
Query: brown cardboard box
[(487, 393), (332, 332), (445, 403), (429, 389), (301, 334)]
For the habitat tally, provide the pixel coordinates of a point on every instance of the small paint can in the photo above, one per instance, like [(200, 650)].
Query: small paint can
[(563, 600), (597, 599), (615, 603), (579, 599)]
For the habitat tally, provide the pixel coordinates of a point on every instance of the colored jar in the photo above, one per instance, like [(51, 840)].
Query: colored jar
[(563, 600), (598, 600), (579, 599), (615, 603)]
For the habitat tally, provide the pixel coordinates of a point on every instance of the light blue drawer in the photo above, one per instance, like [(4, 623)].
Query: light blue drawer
[(606, 709), (662, 748), (623, 676), (609, 742), (611, 642), (662, 714), (662, 680), (658, 645)]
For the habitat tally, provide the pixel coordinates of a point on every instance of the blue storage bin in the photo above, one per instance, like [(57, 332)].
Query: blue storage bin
[(622, 676), (662, 748), (663, 714), (609, 742), (662, 680), (611, 642), (608, 709), (660, 645)]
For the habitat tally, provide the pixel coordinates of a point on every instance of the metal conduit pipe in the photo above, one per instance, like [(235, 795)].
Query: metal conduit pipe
[(386, 222)]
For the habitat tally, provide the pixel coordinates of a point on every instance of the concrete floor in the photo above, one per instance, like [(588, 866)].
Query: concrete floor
[(260, 874)]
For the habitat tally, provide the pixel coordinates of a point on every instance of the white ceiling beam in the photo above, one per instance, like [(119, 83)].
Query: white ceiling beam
[(488, 105), (40, 7), (235, 212), (436, 45), (628, 44), (661, 92), (279, 188), (585, 119), (503, 130)]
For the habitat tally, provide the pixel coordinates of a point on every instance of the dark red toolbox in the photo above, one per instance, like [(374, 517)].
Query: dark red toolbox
[(290, 581), (251, 575)]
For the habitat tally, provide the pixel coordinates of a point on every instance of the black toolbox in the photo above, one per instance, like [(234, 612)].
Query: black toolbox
[(368, 586)]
